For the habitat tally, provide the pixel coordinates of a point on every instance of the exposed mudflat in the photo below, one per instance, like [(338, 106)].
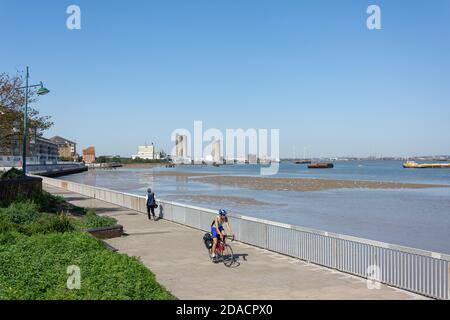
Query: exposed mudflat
[(303, 184)]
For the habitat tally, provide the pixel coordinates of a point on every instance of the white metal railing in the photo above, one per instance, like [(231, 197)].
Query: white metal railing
[(420, 271)]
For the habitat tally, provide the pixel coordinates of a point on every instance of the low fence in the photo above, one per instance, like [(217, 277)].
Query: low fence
[(415, 270)]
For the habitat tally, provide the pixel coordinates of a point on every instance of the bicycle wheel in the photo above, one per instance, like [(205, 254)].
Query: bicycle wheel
[(228, 256)]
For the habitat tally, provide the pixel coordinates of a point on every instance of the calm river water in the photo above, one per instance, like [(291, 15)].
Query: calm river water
[(413, 217)]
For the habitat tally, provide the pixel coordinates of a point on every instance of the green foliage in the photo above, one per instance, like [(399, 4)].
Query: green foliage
[(47, 202), (25, 218), (35, 268), (6, 225), (66, 159), (91, 220), (118, 159), (11, 107), (60, 223), (22, 212), (12, 173), (8, 238), (44, 201), (51, 203), (36, 248), (48, 223)]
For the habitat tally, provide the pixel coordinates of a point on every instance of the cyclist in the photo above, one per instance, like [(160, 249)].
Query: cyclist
[(218, 231)]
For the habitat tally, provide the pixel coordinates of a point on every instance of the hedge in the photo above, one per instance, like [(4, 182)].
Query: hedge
[(35, 268), (37, 247)]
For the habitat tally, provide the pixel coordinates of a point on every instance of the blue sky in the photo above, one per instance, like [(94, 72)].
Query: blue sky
[(137, 70)]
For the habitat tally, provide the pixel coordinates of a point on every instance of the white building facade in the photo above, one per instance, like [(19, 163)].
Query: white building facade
[(146, 152)]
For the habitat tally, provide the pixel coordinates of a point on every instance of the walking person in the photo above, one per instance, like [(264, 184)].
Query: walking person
[(151, 204)]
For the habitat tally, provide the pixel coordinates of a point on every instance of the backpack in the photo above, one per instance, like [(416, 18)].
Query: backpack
[(208, 240), (150, 199)]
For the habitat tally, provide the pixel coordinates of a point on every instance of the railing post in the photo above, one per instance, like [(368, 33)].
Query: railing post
[(334, 253), (448, 280)]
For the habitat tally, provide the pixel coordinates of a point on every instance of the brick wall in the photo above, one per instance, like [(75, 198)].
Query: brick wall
[(107, 232)]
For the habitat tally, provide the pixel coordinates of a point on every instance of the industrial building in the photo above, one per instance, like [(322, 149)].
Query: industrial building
[(146, 152), (181, 155)]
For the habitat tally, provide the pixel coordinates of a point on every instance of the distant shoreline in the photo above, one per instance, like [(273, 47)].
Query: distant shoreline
[(143, 165)]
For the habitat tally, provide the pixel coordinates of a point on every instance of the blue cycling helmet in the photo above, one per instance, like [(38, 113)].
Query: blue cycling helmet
[(223, 212)]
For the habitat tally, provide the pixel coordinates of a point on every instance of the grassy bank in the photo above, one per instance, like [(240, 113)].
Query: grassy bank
[(38, 243)]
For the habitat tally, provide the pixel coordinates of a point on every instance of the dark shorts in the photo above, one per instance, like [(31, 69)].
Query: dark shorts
[(214, 231)]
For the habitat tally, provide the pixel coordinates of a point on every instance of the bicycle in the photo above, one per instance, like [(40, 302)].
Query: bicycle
[(224, 251)]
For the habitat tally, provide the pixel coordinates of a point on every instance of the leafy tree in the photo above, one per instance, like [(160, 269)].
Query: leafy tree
[(106, 159), (66, 159), (12, 101)]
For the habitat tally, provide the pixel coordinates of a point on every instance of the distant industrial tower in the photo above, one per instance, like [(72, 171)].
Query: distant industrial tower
[(215, 151), (181, 146)]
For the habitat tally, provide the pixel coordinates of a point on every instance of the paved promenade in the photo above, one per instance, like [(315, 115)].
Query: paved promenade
[(178, 258)]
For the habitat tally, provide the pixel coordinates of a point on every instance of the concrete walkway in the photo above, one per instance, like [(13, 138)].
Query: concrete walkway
[(178, 258)]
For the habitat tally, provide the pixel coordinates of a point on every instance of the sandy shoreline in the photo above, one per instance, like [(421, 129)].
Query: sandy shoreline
[(306, 184)]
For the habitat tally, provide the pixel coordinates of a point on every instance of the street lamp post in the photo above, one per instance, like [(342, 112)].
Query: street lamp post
[(42, 91)]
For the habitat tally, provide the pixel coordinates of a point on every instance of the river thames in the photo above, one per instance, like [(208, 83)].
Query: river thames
[(417, 217)]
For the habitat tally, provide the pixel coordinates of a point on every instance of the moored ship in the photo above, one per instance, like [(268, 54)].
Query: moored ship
[(321, 165), (415, 165), (304, 161)]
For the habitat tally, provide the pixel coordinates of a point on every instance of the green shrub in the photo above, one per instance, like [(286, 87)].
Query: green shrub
[(91, 221), (44, 201), (26, 218), (6, 223), (22, 212), (35, 268), (36, 248), (60, 223), (48, 223), (8, 238), (12, 173), (47, 202), (23, 217), (54, 204)]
